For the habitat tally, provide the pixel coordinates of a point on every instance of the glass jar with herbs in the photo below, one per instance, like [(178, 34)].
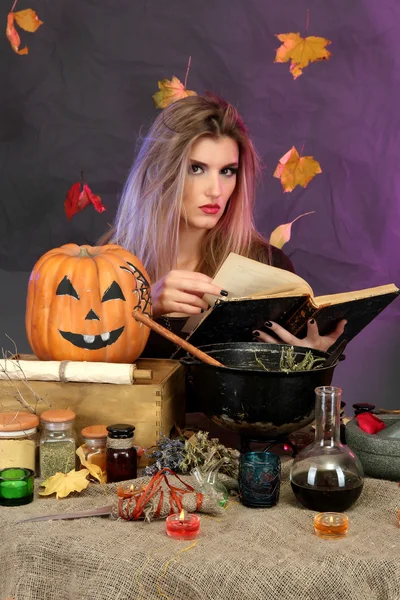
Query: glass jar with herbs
[(94, 445), (57, 442), (121, 460), (18, 440)]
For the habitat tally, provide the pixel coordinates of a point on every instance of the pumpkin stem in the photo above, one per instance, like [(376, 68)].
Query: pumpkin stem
[(84, 252)]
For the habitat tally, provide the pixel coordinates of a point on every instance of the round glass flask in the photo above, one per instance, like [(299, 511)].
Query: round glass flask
[(327, 476)]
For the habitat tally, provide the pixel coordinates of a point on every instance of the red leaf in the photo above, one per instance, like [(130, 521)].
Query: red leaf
[(79, 196)]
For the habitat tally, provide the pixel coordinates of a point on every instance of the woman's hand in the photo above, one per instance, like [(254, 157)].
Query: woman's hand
[(312, 339), (182, 292)]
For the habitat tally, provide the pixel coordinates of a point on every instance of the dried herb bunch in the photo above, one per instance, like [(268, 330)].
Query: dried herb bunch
[(288, 362), (182, 455)]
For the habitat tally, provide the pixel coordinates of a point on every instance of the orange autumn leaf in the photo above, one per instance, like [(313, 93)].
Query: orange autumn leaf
[(62, 484), (301, 51), (170, 91), (13, 36), (294, 170), (27, 20), (281, 234)]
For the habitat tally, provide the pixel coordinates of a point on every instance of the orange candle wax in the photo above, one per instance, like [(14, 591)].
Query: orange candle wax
[(331, 525)]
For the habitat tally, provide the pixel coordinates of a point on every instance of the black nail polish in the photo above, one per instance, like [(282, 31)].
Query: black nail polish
[(224, 293), (312, 321), (255, 339), (256, 333), (268, 324)]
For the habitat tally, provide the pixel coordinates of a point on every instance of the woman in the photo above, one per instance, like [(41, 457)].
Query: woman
[(187, 203)]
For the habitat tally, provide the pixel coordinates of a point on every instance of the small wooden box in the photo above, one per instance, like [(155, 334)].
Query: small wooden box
[(152, 406)]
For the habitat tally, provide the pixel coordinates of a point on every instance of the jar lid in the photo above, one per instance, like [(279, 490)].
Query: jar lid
[(94, 431), (57, 416), (120, 431), (18, 421)]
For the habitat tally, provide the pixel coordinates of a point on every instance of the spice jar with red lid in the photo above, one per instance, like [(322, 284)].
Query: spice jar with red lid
[(121, 458)]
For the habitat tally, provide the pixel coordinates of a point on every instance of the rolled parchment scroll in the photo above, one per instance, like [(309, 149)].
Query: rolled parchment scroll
[(73, 371)]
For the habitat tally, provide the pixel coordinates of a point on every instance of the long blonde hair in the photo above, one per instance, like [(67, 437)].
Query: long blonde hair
[(149, 212)]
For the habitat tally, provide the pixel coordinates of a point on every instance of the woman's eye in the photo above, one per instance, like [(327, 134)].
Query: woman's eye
[(230, 171), (195, 169)]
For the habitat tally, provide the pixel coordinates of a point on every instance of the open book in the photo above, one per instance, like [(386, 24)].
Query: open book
[(259, 292)]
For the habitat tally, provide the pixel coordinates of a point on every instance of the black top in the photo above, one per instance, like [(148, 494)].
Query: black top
[(159, 347), (120, 431)]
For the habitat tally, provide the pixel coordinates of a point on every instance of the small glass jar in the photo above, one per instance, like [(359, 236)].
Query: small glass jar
[(18, 440), (95, 445), (121, 458), (57, 442)]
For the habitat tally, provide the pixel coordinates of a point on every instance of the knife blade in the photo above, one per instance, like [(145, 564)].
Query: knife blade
[(94, 512)]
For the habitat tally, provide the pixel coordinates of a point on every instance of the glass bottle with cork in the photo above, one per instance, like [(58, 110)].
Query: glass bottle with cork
[(95, 445), (121, 457), (57, 442)]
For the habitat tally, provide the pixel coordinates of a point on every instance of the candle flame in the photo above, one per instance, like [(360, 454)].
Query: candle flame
[(132, 488), (182, 515)]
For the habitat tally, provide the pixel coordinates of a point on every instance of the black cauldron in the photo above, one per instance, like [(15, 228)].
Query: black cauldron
[(245, 398)]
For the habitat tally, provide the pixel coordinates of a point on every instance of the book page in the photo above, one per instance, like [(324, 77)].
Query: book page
[(243, 277), (356, 295)]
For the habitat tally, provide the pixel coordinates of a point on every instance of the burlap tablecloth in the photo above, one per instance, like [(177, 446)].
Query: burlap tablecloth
[(244, 554)]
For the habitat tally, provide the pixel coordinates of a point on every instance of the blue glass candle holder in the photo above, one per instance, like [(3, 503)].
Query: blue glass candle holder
[(16, 486), (259, 479)]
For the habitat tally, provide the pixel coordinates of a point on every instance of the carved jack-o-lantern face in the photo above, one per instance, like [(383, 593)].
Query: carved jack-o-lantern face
[(80, 303)]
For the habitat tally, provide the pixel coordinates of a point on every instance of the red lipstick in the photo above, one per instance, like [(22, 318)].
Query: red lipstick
[(210, 209)]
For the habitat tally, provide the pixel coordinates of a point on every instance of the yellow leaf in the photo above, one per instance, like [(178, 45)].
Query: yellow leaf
[(63, 484), (282, 234), (293, 170), (170, 92), (28, 20), (301, 51), (94, 470)]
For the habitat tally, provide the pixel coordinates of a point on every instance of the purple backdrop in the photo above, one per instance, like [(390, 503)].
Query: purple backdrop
[(81, 96)]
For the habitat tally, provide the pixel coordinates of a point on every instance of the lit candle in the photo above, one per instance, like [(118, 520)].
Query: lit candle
[(331, 525), (184, 526), (16, 486)]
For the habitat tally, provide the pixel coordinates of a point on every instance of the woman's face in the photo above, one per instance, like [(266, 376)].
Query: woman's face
[(210, 181)]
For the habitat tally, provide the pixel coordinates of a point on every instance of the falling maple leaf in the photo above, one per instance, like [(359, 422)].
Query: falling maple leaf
[(27, 20), (282, 234), (170, 91), (294, 170), (301, 51), (79, 196), (94, 470), (62, 484)]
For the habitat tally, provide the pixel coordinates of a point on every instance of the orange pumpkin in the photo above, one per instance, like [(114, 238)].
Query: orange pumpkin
[(80, 302)]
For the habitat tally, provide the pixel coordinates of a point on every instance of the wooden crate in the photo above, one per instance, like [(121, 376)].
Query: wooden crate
[(152, 406)]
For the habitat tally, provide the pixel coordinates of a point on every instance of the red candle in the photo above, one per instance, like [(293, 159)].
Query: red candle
[(184, 526)]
